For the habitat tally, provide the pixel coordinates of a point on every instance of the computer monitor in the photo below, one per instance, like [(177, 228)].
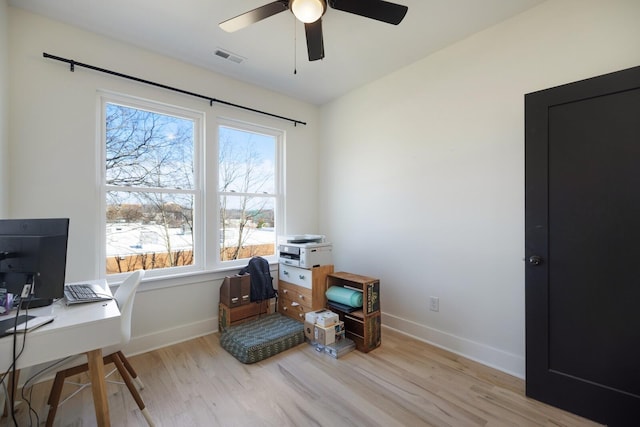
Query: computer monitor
[(34, 252)]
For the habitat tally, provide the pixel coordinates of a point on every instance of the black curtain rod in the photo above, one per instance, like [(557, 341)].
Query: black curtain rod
[(73, 64)]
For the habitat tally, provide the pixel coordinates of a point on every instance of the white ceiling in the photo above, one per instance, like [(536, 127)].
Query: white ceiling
[(357, 50)]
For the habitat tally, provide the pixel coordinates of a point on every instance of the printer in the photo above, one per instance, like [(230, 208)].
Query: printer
[(305, 251)]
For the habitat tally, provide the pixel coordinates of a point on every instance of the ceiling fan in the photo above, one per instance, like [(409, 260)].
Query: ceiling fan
[(310, 12)]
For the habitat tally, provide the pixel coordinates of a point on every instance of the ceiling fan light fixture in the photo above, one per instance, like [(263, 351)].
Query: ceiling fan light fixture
[(308, 11)]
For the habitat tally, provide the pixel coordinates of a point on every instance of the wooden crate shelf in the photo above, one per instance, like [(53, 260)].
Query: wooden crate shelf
[(362, 326)]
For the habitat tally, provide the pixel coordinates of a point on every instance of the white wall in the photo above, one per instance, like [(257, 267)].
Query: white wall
[(422, 172), (4, 108), (54, 151)]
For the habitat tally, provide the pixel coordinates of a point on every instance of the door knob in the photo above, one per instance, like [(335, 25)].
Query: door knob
[(535, 260)]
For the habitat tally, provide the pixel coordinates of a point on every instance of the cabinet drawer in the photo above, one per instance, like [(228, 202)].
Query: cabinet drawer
[(292, 308), (295, 275), (295, 293)]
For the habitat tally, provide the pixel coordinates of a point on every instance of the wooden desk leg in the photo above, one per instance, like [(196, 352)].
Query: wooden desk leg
[(98, 387)]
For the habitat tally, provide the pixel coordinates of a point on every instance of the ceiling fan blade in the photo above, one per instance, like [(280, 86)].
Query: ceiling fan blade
[(258, 14), (315, 43), (379, 10)]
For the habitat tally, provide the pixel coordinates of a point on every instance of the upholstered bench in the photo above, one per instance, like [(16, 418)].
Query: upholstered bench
[(262, 338)]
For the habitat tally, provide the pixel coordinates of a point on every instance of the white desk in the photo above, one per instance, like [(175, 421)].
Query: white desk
[(81, 328)]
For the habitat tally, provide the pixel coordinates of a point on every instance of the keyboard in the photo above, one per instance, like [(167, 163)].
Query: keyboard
[(82, 292)]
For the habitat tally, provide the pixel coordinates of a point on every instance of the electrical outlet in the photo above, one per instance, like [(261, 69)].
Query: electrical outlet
[(434, 303)]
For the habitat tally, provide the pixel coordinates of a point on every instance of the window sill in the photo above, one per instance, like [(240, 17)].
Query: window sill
[(155, 283)]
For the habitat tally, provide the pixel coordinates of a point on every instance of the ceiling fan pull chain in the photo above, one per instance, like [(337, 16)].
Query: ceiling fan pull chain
[(295, 43)]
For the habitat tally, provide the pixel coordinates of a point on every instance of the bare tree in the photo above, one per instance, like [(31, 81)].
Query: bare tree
[(150, 157), (241, 174)]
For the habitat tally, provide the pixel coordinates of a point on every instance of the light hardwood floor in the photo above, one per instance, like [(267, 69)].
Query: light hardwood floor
[(404, 382)]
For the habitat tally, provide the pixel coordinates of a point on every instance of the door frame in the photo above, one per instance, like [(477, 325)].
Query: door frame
[(542, 383)]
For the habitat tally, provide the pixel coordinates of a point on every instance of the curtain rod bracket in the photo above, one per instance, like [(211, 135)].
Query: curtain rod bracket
[(72, 65)]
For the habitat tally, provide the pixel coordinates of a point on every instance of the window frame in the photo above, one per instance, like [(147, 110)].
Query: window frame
[(198, 191), (279, 136), (206, 191)]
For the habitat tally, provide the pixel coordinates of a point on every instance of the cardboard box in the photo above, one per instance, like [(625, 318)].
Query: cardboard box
[(236, 290), (339, 331), (230, 316), (309, 332), (312, 316), (326, 319), (324, 336)]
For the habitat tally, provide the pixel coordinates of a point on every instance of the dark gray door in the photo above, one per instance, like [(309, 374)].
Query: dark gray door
[(583, 247)]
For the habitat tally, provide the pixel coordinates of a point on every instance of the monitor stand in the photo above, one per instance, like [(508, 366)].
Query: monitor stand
[(35, 303)]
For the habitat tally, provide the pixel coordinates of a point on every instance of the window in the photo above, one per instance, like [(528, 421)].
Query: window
[(156, 184), (248, 191), (151, 186)]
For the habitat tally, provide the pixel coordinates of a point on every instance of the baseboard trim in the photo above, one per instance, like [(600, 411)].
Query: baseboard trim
[(509, 363), (503, 361), (167, 337)]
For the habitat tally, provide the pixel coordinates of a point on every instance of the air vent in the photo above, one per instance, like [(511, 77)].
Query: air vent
[(222, 54), (229, 56)]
